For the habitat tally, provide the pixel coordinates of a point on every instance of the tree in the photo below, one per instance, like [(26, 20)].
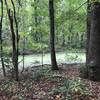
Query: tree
[(12, 17), (17, 40), (36, 19), (88, 30), (88, 35), (94, 44), (52, 35), (1, 40)]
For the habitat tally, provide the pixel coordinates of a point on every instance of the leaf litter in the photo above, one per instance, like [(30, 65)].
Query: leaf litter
[(64, 84)]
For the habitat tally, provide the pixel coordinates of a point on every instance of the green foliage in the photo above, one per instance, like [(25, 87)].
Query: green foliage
[(7, 62), (93, 1), (71, 57), (69, 87), (37, 47), (68, 23), (7, 50), (40, 73)]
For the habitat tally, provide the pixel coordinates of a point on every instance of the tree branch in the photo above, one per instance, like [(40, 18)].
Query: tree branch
[(81, 6)]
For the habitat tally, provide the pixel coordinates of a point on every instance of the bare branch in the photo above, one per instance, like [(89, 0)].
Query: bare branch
[(81, 5)]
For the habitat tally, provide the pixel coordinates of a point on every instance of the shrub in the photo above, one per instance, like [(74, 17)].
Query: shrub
[(70, 87)]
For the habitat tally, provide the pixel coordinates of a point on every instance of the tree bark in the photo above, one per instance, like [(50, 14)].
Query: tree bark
[(94, 44), (52, 35), (14, 43), (1, 47), (17, 42), (88, 30), (14, 55), (36, 20)]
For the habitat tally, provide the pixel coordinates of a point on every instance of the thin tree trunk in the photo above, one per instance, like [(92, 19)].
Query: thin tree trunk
[(1, 47), (23, 54), (14, 55), (52, 35), (36, 20), (17, 43), (14, 47), (94, 44)]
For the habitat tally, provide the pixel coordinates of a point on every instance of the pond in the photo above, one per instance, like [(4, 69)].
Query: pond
[(62, 57)]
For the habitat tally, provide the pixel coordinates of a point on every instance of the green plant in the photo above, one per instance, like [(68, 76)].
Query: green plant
[(72, 57), (69, 87), (40, 73), (93, 1), (78, 86)]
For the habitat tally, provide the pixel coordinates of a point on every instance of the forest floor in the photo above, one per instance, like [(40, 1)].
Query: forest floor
[(41, 83)]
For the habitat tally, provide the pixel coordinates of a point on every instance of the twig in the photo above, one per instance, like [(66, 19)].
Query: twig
[(80, 6)]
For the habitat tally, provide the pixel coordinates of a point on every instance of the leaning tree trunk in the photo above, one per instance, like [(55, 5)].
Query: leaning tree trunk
[(1, 44), (94, 44), (52, 35)]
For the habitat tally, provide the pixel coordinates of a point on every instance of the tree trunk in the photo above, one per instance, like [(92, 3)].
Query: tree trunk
[(52, 35), (1, 44), (17, 40), (36, 20), (14, 42), (94, 44), (88, 30), (14, 54)]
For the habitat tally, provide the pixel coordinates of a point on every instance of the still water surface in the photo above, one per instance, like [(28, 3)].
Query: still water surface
[(62, 57)]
